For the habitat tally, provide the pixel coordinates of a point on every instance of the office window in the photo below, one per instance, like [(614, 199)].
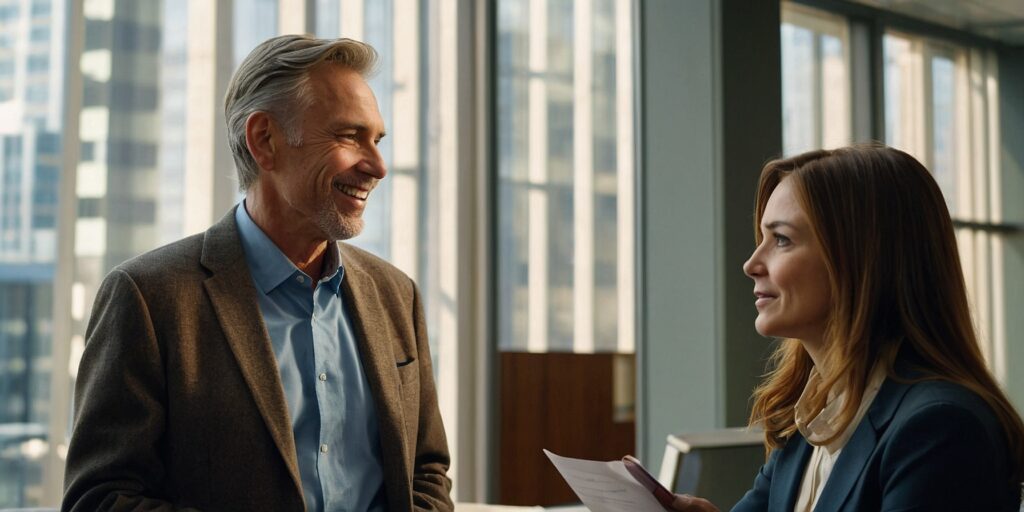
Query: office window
[(171, 91), (37, 93), (565, 176), (25, 302), (254, 22), (921, 99), (328, 20), (131, 180), (939, 103), (26, 291), (40, 34), (41, 8), (30, 166), (38, 63), (9, 12), (815, 80), (941, 106)]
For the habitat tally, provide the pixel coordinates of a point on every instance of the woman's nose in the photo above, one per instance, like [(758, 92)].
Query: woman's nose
[(753, 266)]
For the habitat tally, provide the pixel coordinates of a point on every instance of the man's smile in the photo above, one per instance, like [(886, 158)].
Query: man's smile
[(351, 191)]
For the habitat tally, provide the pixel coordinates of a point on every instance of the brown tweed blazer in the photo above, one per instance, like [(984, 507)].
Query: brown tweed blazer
[(179, 404)]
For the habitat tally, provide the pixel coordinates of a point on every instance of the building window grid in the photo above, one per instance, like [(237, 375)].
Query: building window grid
[(564, 177)]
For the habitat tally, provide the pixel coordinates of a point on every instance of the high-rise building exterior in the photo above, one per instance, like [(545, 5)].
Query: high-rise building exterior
[(119, 128), (117, 191), (565, 176), (171, 155), (31, 91)]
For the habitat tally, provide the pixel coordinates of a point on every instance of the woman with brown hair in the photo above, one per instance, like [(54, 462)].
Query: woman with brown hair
[(879, 398)]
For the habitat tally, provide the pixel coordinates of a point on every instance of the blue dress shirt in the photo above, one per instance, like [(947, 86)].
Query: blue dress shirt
[(329, 400)]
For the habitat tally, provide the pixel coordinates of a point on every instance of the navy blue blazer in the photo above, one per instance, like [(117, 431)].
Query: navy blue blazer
[(931, 445)]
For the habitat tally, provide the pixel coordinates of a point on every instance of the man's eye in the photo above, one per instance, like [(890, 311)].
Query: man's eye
[(349, 136)]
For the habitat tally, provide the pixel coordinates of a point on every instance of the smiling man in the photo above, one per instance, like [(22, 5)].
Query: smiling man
[(263, 364)]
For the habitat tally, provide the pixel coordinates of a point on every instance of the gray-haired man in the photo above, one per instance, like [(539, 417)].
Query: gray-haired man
[(263, 365)]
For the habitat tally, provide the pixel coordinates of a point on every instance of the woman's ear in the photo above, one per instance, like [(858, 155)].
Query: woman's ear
[(260, 140)]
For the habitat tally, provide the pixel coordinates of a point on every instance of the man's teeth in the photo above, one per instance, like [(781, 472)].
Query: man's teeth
[(351, 191)]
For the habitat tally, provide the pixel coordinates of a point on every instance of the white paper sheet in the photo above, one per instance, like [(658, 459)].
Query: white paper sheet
[(605, 486)]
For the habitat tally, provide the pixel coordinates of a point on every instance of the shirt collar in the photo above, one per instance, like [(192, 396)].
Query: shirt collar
[(269, 266), (334, 271), (821, 425)]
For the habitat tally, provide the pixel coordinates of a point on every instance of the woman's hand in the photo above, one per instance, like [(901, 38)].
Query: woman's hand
[(687, 503)]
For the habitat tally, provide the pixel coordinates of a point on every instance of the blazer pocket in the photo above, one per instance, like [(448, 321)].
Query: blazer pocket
[(408, 378), (408, 372)]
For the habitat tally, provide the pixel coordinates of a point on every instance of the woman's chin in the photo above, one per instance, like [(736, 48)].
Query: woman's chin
[(764, 328)]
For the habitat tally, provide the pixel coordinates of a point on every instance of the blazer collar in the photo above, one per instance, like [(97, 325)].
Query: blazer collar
[(233, 296), (375, 335), (862, 443)]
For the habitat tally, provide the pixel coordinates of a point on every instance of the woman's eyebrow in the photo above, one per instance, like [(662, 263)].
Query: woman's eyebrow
[(776, 223)]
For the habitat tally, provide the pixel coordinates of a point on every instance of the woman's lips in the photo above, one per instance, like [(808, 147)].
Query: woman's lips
[(763, 299)]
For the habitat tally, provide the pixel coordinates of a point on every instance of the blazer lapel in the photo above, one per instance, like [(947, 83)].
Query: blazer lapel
[(861, 446), (848, 467), (233, 296), (374, 335), (789, 473)]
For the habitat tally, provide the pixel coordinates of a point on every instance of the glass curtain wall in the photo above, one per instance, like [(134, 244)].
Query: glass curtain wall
[(131, 186), (31, 90), (565, 180)]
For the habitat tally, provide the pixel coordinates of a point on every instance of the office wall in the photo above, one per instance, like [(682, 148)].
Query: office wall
[(710, 116)]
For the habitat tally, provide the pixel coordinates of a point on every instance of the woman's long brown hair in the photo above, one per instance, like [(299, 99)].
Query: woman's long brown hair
[(896, 280)]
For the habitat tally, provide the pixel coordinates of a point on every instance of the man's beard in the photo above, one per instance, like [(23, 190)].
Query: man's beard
[(337, 227)]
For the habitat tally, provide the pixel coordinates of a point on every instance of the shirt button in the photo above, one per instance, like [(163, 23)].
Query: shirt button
[(323, 448), (323, 377), (300, 279)]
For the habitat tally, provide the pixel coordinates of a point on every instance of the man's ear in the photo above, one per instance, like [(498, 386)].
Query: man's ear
[(259, 137)]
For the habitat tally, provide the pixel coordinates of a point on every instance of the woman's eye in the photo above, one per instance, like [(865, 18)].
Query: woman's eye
[(781, 240)]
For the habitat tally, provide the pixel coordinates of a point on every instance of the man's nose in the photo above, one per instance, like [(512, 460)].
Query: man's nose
[(373, 164)]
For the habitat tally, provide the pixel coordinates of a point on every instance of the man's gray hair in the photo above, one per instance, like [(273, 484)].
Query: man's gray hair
[(274, 78)]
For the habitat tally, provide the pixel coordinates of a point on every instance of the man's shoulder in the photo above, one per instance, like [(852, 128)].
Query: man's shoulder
[(172, 261)]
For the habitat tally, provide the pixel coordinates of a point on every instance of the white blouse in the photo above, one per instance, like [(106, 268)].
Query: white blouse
[(820, 427)]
